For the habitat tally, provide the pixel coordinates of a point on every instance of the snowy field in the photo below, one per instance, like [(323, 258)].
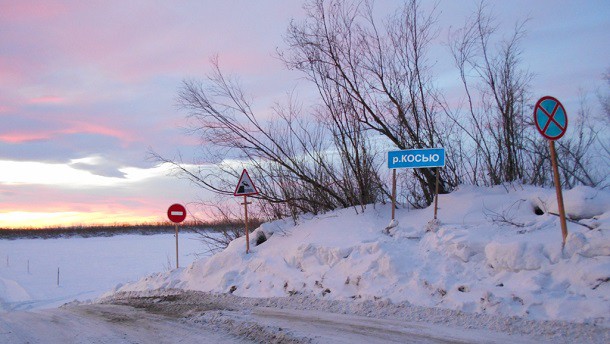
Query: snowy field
[(88, 267)]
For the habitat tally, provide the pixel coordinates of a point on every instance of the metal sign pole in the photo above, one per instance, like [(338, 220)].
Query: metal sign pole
[(393, 193), (562, 213), (176, 225), (436, 196)]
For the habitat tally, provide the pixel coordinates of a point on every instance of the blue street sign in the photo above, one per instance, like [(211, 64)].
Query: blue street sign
[(550, 118), (417, 158)]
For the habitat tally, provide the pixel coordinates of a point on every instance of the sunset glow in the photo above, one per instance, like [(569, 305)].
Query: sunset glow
[(84, 202), (23, 219)]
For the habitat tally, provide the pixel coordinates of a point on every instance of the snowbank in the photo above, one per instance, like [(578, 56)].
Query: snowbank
[(489, 253)]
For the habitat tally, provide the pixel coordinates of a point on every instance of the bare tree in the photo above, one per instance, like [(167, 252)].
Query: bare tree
[(225, 226), (289, 156), (604, 99), (574, 162), (604, 140), (379, 74), (375, 83), (498, 123), (495, 86)]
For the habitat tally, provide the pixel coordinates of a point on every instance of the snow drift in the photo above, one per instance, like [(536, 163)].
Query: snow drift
[(490, 252)]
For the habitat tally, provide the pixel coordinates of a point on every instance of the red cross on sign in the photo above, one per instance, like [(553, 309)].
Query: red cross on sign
[(551, 118)]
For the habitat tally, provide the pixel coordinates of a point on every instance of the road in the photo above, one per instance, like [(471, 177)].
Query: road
[(102, 324), (171, 319), (324, 327)]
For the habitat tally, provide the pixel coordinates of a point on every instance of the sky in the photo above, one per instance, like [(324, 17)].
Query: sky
[(88, 88)]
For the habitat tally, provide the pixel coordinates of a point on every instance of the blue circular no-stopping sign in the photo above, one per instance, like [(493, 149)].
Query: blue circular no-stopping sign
[(551, 118)]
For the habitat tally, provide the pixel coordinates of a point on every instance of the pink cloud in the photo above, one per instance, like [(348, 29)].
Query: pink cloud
[(15, 138), (133, 40), (47, 100), (55, 199), (15, 11), (72, 127), (77, 127)]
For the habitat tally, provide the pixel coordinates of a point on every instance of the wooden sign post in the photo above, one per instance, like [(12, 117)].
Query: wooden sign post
[(551, 120), (246, 223), (245, 187)]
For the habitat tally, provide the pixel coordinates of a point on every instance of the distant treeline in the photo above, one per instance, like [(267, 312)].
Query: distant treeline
[(84, 231)]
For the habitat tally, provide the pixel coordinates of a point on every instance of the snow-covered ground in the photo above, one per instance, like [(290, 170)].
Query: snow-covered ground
[(491, 270), (88, 267), (491, 253)]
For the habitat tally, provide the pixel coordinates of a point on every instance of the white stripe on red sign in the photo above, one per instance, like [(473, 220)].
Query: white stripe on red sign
[(177, 213)]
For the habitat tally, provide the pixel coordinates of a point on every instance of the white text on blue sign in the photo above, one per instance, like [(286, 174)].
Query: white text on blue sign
[(417, 158)]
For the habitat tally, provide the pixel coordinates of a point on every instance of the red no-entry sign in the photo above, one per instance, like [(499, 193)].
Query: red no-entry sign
[(176, 213)]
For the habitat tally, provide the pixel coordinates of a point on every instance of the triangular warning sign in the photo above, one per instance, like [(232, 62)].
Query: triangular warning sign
[(245, 186)]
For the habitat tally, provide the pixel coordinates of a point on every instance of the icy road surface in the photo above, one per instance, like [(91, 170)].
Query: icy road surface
[(325, 327), (194, 317), (125, 324), (103, 324)]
